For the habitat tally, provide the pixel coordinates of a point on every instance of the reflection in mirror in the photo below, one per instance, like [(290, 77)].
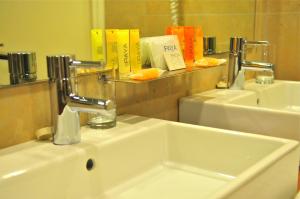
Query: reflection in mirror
[(221, 19), (47, 27), (21, 66), (55, 27), (277, 23)]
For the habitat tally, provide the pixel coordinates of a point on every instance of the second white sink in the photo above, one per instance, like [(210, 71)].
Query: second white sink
[(272, 110), (282, 95)]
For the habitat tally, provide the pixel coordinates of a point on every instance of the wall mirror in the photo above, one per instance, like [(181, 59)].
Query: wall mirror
[(47, 27), (55, 27)]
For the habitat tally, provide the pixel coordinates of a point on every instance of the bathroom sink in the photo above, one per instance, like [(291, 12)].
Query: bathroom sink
[(272, 110), (145, 158), (282, 95)]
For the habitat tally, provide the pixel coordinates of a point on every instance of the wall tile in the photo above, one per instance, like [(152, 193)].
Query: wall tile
[(163, 95), (278, 22), (158, 7), (24, 109), (218, 6), (218, 17), (223, 26)]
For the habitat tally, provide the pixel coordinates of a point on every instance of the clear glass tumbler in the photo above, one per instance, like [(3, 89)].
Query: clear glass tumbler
[(261, 53), (104, 118)]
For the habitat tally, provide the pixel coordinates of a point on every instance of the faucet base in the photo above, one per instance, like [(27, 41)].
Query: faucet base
[(68, 128)]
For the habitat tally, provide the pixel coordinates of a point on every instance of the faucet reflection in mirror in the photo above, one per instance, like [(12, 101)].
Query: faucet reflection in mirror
[(65, 103), (21, 65), (238, 64)]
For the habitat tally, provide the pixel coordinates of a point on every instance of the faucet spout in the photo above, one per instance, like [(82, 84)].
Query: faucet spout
[(85, 104), (258, 65), (237, 65)]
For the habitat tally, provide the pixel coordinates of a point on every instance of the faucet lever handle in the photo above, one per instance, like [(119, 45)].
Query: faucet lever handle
[(255, 64), (86, 64), (59, 65), (236, 44), (265, 43)]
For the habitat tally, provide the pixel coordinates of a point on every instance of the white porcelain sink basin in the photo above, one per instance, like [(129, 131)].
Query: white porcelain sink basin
[(146, 158), (282, 95), (272, 110)]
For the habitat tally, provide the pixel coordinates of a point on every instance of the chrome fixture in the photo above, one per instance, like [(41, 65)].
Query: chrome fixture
[(65, 103), (238, 65), (209, 45), (21, 65)]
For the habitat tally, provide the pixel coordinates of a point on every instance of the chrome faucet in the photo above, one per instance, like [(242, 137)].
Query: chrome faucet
[(21, 65), (65, 103), (238, 65)]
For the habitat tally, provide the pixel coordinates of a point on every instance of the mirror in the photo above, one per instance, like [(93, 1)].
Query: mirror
[(219, 18), (277, 23), (46, 28), (55, 27)]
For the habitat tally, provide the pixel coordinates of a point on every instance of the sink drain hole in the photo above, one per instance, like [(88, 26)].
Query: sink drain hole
[(90, 164)]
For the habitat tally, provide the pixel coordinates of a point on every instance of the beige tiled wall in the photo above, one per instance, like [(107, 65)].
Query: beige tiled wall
[(279, 22), (26, 108), (220, 18), (23, 109), (159, 99)]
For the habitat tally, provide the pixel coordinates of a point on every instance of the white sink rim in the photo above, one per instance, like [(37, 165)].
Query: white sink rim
[(114, 135), (237, 109)]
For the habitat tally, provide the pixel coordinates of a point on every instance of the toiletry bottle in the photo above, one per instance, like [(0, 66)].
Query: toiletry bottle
[(198, 45), (123, 53), (111, 36), (97, 45), (169, 30), (135, 54), (189, 46), (179, 31), (97, 49)]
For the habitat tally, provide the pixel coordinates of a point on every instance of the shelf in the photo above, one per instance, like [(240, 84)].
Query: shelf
[(168, 74)]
